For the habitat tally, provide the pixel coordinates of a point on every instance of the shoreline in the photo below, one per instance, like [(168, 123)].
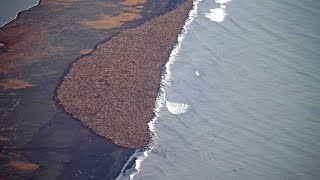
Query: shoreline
[(19, 12), (140, 155)]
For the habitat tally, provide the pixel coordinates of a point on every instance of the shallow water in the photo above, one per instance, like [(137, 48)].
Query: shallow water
[(9, 9), (248, 78)]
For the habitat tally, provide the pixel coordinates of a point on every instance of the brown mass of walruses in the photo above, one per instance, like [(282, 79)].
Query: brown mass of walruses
[(113, 90)]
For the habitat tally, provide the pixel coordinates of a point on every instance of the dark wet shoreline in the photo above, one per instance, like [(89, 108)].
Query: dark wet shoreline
[(88, 155), (35, 130)]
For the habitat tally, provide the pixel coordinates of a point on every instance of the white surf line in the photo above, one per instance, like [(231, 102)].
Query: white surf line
[(218, 14), (161, 98)]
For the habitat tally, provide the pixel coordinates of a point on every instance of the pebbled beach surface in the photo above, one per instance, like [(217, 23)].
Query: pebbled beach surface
[(113, 90), (38, 138)]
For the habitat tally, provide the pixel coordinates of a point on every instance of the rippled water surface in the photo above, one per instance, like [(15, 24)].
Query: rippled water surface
[(244, 95)]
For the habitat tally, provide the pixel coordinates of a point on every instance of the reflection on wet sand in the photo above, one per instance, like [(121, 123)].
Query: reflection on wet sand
[(24, 165), (11, 83), (129, 10), (132, 2), (3, 138), (23, 42), (107, 22)]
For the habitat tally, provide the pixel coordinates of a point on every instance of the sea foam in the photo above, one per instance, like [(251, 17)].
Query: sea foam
[(218, 14), (176, 108), (221, 1)]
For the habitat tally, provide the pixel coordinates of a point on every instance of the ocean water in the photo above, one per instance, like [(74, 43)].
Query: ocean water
[(240, 95), (10, 8)]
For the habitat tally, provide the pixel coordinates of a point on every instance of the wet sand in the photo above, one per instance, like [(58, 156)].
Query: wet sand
[(113, 90), (38, 139)]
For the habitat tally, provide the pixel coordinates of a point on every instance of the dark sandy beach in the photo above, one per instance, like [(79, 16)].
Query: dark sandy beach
[(38, 138)]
